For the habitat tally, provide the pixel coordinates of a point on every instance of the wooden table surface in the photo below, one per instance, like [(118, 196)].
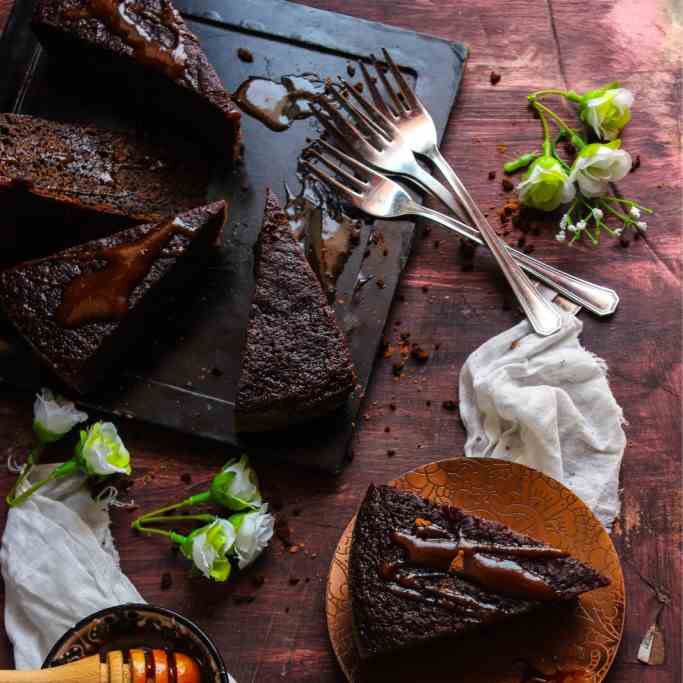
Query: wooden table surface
[(281, 634)]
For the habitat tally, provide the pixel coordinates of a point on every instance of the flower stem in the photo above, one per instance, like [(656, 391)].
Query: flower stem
[(520, 162), (174, 518), (547, 143), (622, 216), (577, 141), (62, 470), (629, 202), (33, 458), (198, 499), (567, 94)]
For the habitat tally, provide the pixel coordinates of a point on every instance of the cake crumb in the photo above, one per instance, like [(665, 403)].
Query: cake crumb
[(245, 55), (494, 78)]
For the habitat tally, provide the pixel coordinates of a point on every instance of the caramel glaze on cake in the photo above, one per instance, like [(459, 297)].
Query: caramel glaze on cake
[(150, 56), (62, 183), (83, 308), (296, 363), (420, 571)]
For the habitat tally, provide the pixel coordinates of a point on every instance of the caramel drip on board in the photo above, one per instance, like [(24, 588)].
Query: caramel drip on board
[(147, 49), (103, 294), (277, 104)]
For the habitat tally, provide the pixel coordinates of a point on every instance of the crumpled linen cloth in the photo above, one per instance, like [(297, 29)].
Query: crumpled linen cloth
[(545, 402), (59, 565)]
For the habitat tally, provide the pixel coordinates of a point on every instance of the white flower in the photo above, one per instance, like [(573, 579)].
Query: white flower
[(53, 416), (545, 185), (236, 486), (254, 531), (208, 548), (607, 111), (564, 221), (597, 213), (581, 225), (598, 165), (561, 236), (102, 452), (642, 225), (618, 231), (634, 211)]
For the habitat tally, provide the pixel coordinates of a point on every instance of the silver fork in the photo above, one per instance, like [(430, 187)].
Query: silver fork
[(379, 196), (544, 318), (371, 142)]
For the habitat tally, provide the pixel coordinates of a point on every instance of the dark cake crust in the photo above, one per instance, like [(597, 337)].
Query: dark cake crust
[(31, 294), (62, 183), (192, 95), (296, 363), (384, 621)]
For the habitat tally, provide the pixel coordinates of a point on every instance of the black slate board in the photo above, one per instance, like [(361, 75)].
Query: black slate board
[(168, 383)]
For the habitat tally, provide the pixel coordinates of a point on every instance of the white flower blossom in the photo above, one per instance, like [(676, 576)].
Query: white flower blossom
[(236, 486), (545, 185), (642, 226), (564, 221), (53, 416), (597, 214), (634, 211), (607, 111), (598, 165), (101, 450), (208, 548), (254, 531), (561, 236)]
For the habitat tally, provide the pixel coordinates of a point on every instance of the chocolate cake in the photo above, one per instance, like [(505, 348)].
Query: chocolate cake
[(82, 309), (62, 183), (296, 363), (148, 55), (420, 571)]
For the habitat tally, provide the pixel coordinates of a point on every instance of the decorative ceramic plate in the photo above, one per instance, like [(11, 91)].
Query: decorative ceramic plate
[(574, 643)]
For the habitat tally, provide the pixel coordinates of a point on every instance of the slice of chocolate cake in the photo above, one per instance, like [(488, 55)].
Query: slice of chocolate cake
[(296, 363), (61, 183), (148, 55), (83, 308), (420, 571)]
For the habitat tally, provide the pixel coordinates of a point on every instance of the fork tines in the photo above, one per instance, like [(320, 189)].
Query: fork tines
[(351, 183)]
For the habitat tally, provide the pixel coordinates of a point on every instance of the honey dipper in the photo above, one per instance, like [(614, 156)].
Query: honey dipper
[(143, 666)]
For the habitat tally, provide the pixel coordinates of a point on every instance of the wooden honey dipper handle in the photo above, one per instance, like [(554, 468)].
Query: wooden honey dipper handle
[(162, 668)]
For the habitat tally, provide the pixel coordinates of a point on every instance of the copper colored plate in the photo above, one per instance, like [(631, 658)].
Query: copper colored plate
[(574, 643)]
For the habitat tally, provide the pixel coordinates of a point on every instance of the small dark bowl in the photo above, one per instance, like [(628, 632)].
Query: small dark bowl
[(132, 626)]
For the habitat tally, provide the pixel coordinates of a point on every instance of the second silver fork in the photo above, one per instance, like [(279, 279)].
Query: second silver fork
[(379, 196)]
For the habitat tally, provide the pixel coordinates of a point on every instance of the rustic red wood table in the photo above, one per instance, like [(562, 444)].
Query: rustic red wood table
[(277, 630)]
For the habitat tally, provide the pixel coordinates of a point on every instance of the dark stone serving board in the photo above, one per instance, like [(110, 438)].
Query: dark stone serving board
[(169, 382)]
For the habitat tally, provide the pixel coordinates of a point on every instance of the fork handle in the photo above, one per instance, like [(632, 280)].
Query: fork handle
[(544, 318), (597, 299)]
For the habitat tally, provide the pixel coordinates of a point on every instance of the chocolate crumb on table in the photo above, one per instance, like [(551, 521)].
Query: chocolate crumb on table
[(449, 405), (245, 55), (508, 186), (492, 175), (495, 78)]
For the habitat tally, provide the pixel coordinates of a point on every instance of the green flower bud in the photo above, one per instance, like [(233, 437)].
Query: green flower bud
[(236, 486), (101, 451), (208, 548), (54, 416), (545, 185), (607, 110)]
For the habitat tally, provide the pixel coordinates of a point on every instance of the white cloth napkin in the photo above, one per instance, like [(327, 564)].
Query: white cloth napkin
[(59, 564), (545, 402)]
